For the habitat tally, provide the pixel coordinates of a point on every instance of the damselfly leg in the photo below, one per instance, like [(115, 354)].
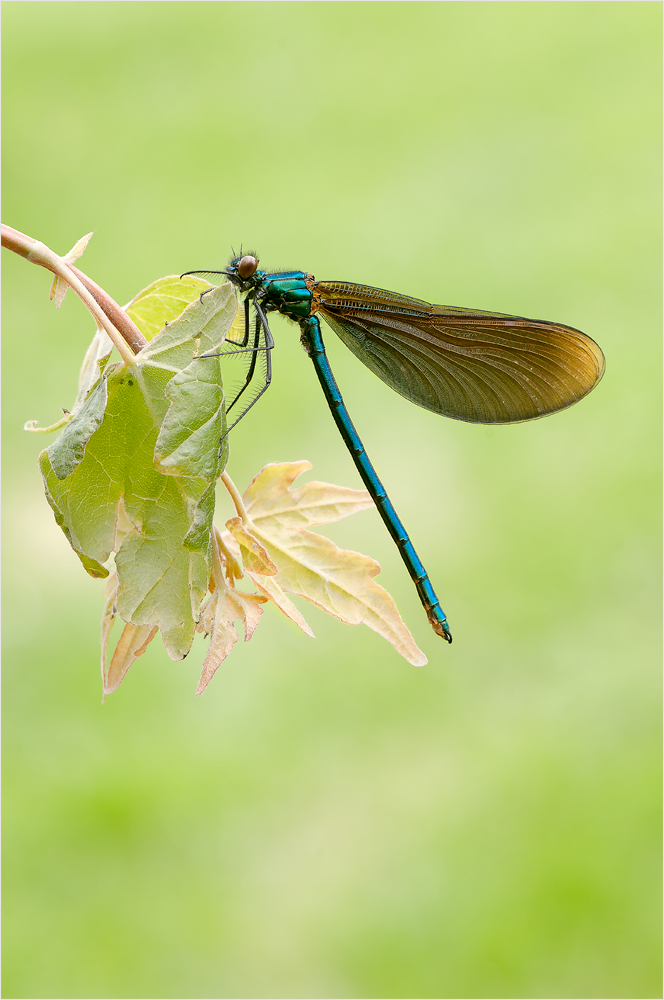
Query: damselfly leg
[(259, 350)]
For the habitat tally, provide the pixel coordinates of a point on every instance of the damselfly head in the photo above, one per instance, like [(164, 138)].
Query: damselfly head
[(242, 268), (247, 265)]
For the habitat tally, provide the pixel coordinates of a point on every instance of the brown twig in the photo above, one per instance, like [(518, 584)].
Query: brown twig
[(115, 313), (22, 245)]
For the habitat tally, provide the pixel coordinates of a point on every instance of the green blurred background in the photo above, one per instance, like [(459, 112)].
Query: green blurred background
[(328, 821)]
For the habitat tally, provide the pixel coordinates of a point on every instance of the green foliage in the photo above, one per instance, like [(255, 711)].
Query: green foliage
[(163, 301), (133, 472)]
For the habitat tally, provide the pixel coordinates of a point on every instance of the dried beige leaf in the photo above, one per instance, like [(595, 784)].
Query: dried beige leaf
[(218, 617), (269, 495), (338, 581), (254, 555), (132, 643), (267, 585), (59, 286), (78, 248)]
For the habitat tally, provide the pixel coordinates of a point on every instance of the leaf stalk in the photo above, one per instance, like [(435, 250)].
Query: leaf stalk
[(125, 335), (235, 497)]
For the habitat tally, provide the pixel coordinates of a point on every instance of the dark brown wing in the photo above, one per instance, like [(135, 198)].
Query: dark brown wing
[(482, 367)]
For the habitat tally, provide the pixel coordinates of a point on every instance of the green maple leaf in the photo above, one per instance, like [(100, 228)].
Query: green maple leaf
[(133, 472)]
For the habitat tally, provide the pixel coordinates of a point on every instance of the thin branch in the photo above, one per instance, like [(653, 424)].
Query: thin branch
[(115, 313), (105, 310), (235, 496)]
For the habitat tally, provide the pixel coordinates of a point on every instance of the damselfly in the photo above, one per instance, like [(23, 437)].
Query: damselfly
[(468, 364)]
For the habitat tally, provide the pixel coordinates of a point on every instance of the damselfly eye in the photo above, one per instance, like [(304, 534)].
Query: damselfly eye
[(247, 267)]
